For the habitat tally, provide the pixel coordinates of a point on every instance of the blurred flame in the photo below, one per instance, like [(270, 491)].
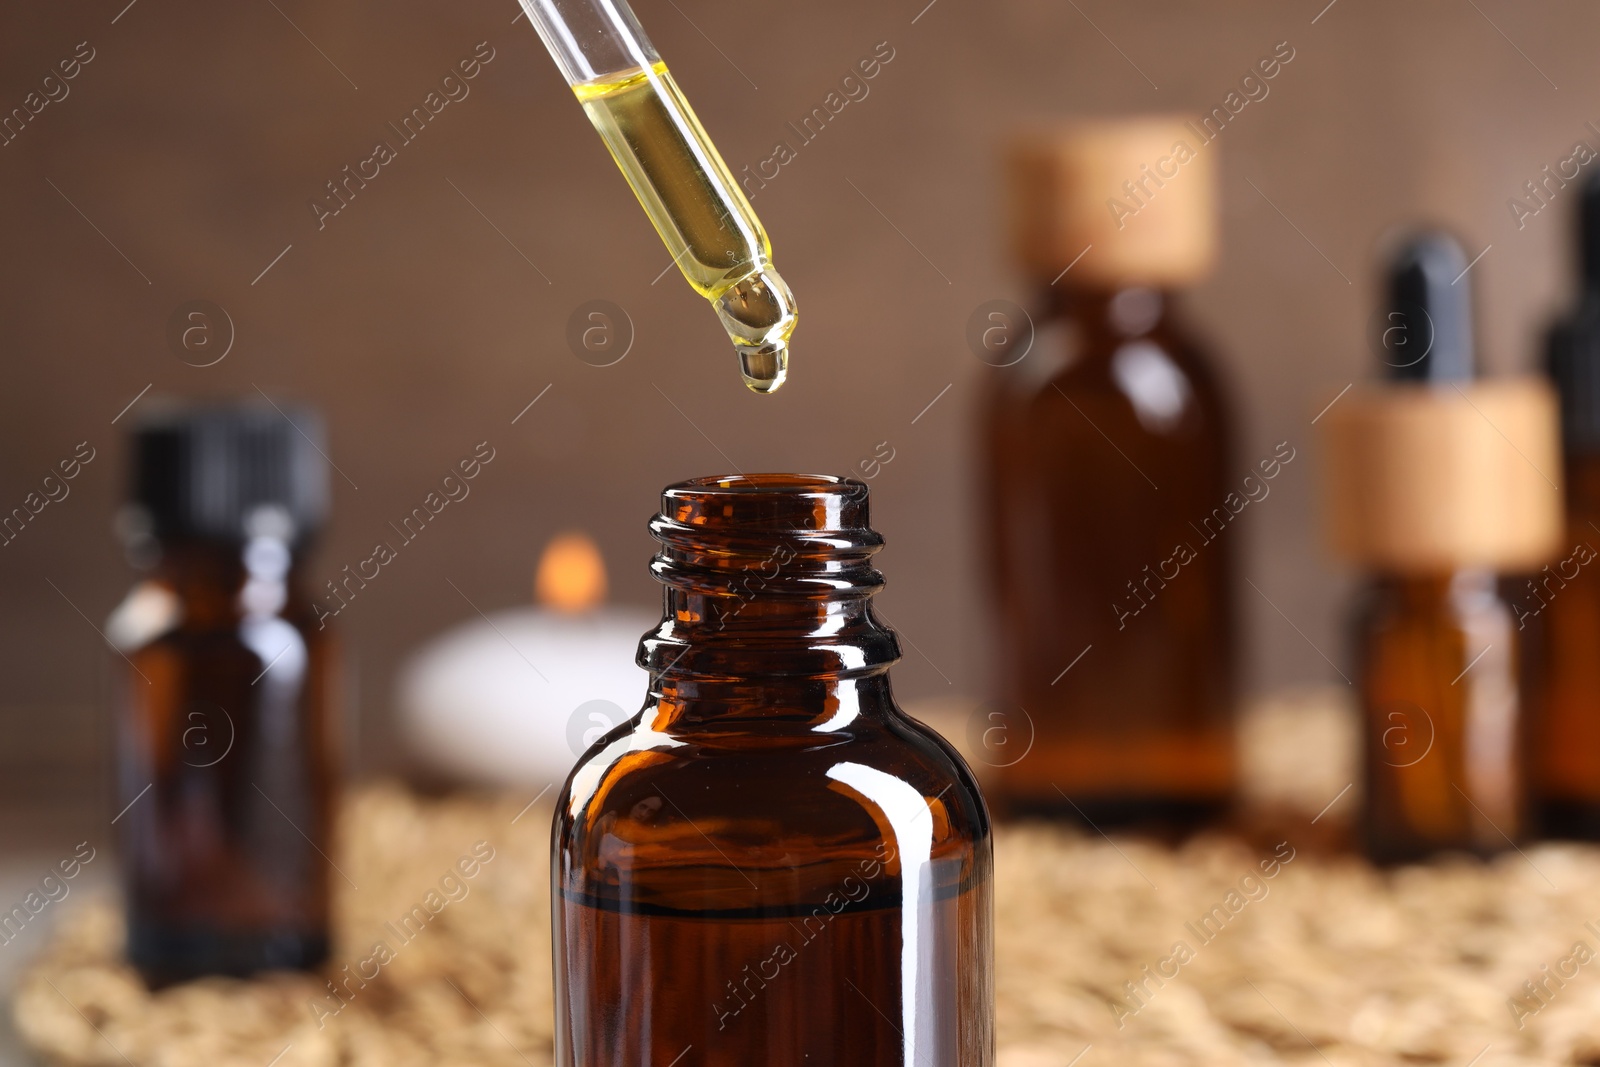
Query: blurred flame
[(571, 575)]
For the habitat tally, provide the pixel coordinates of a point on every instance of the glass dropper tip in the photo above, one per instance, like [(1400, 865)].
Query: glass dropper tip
[(764, 367), (759, 314)]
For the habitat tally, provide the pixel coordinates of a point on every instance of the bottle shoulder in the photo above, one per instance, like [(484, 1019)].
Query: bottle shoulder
[(1121, 364), (147, 613), (1464, 598), (769, 764), (1161, 385), (154, 629), (773, 815), (1401, 625)]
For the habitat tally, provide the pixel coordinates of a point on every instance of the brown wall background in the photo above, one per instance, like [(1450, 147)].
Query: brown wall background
[(197, 135)]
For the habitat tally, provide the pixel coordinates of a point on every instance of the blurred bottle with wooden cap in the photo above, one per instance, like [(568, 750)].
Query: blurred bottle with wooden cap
[(1559, 607), (1107, 478), (1437, 483)]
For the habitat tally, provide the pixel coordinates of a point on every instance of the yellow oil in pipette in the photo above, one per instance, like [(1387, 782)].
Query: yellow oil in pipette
[(678, 176), (699, 211)]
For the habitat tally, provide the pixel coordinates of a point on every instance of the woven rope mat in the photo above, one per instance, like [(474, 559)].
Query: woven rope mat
[(1326, 962)]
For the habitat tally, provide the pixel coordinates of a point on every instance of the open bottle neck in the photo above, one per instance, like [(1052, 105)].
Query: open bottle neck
[(1440, 590), (768, 586), (821, 704)]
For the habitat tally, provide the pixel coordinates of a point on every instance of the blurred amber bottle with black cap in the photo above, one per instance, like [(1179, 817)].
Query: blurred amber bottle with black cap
[(1107, 450), (1560, 604), (225, 731), (1437, 485)]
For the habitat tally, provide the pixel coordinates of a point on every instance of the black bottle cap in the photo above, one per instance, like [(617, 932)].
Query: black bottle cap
[(1589, 232), (1572, 351), (1428, 312), (228, 472)]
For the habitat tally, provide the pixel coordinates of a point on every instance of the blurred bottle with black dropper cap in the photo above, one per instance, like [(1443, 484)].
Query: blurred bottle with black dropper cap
[(1428, 321), (1435, 489), (225, 728), (1561, 604)]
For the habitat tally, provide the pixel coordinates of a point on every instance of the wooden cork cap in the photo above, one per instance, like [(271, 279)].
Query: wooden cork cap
[(1428, 478), (1139, 193)]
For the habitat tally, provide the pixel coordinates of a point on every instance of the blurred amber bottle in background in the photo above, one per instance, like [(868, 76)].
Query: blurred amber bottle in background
[(1436, 489), (1107, 445), (225, 754), (1560, 604)]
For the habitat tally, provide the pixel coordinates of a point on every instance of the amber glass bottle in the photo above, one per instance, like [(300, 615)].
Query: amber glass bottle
[(771, 864), (1561, 604), (1437, 657), (1436, 649), (1107, 455), (225, 754)]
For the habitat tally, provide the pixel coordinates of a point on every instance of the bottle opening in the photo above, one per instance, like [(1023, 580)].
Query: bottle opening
[(758, 482), (772, 502)]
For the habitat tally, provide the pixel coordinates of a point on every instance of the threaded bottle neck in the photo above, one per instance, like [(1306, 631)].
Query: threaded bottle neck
[(766, 575)]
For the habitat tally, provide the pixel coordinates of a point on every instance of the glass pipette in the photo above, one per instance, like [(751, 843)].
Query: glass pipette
[(677, 174)]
